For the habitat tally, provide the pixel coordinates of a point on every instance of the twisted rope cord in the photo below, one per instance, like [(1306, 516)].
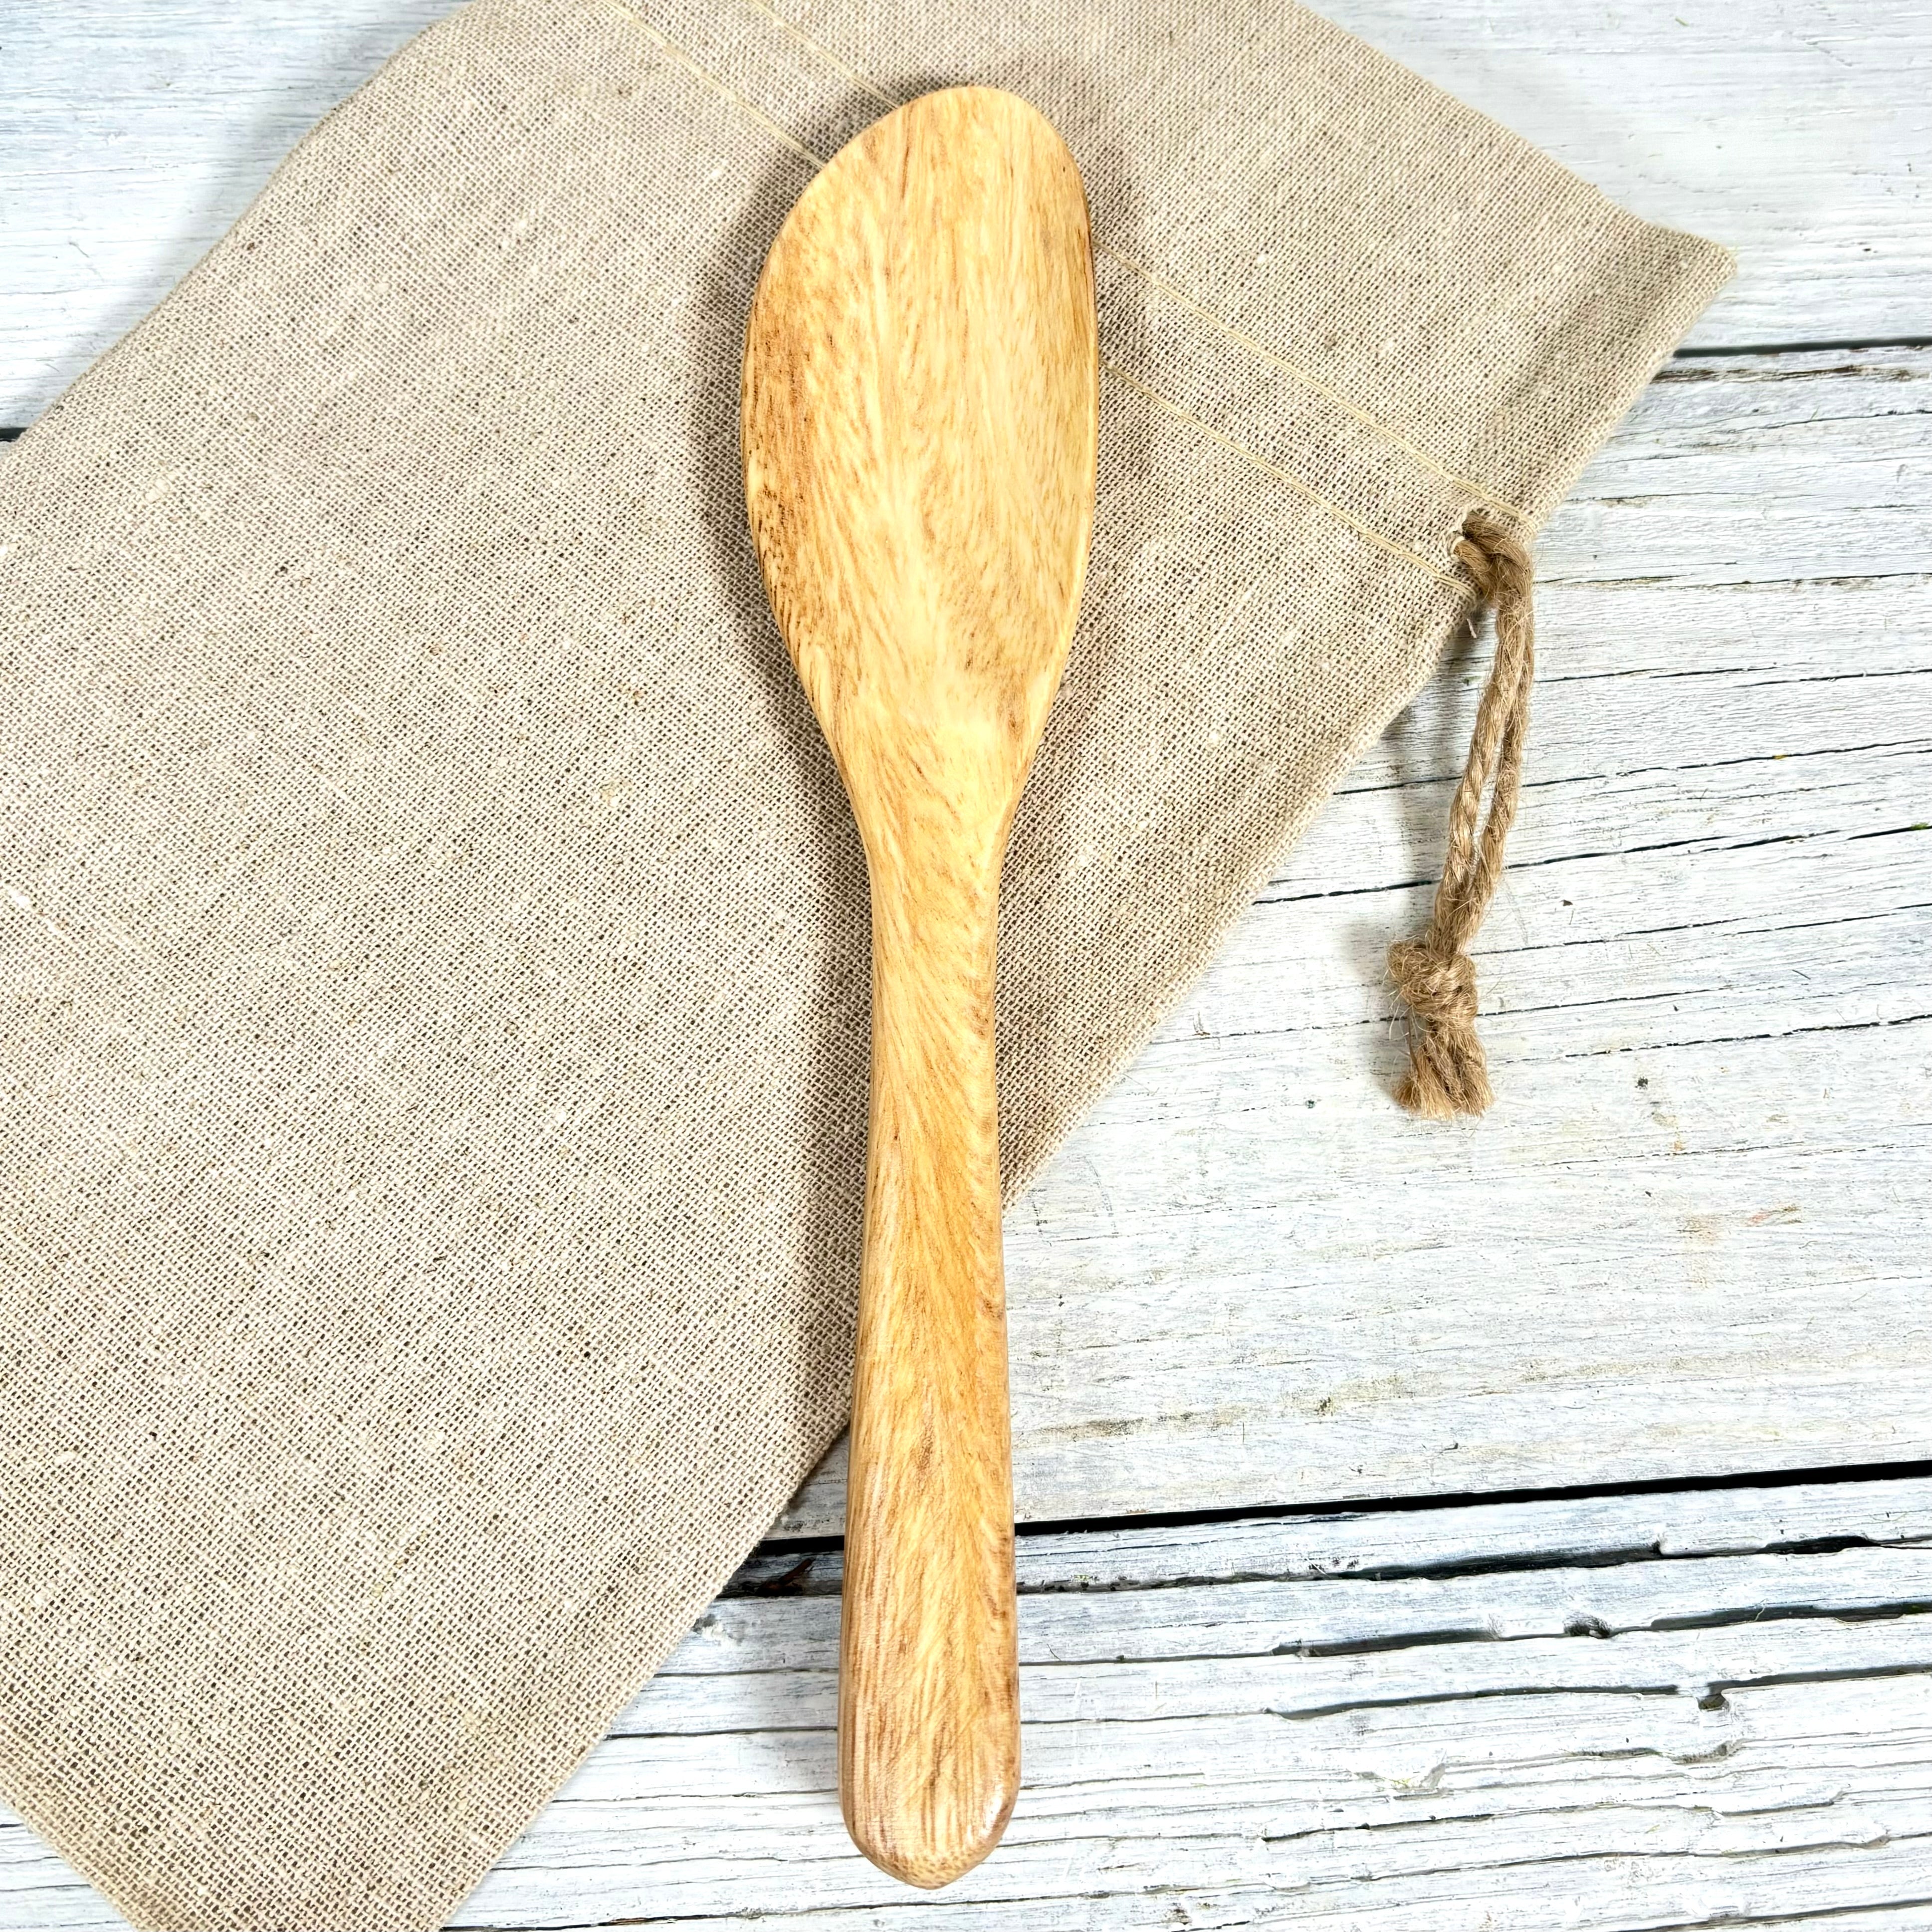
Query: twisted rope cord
[(1434, 974)]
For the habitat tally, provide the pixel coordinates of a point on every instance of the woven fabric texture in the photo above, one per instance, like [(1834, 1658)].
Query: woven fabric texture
[(432, 936)]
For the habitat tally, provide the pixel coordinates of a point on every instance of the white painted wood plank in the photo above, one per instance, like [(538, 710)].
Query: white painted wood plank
[(1184, 1740), (1795, 133), (1690, 1237), (1618, 1712), (132, 135)]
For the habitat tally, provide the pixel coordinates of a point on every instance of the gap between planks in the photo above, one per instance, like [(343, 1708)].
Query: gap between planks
[(1591, 1711), (1606, 1713)]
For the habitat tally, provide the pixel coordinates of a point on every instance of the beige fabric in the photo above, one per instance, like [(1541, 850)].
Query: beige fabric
[(433, 938)]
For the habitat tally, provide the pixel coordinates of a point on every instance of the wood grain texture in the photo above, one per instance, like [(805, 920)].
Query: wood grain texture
[(1600, 1714), (132, 135), (1689, 1239), (920, 431)]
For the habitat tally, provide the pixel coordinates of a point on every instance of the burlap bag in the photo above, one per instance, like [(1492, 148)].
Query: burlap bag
[(433, 935)]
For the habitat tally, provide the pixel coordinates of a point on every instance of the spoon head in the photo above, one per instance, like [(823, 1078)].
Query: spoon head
[(919, 430)]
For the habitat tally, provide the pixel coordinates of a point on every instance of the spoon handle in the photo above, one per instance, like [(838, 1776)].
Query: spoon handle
[(928, 1704)]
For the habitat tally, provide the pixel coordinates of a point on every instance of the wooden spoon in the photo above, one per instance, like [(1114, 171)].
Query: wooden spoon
[(920, 428)]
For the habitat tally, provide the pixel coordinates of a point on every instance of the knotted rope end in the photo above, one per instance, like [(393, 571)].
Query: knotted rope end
[(1448, 1074)]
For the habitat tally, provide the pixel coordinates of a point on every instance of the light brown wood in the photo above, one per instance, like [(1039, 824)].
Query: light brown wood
[(919, 432)]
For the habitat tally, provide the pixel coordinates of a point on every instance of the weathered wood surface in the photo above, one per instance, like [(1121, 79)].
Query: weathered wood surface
[(1690, 1236), (1623, 1713), (132, 134), (1636, 1711)]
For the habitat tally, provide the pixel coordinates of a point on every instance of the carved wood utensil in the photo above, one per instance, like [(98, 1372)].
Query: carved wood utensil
[(919, 428)]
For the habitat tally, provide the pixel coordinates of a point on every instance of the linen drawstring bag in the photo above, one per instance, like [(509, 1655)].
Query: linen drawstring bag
[(433, 935)]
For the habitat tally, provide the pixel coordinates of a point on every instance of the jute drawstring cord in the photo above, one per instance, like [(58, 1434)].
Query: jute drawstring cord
[(1434, 974)]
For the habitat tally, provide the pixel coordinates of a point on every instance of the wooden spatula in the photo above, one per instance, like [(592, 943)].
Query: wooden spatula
[(919, 432)]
